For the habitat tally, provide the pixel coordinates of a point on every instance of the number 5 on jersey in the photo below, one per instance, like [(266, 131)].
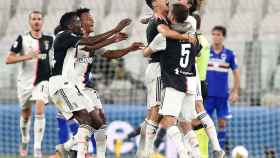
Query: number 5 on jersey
[(185, 53)]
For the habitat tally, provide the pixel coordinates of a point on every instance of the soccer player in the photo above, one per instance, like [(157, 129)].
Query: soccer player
[(179, 80), (83, 66), (219, 96), (157, 24), (68, 97), (31, 51)]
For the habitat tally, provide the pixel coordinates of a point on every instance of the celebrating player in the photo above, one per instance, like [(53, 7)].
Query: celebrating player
[(179, 80), (83, 66), (157, 23), (31, 50), (221, 60)]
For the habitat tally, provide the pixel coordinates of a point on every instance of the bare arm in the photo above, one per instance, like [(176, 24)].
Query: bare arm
[(101, 37), (167, 32), (117, 38), (236, 86), (114, 54), (13, 58), (148, 52)]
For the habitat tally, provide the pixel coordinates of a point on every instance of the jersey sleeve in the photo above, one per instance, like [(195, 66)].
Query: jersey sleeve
[(17, 45), (233, 62), (158, 43)]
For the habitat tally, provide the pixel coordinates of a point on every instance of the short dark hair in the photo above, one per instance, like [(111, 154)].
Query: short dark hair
[(198, 21), (221, 29), (81, 11), (35, 12), (180, 12), (66, 19), (150, 3)]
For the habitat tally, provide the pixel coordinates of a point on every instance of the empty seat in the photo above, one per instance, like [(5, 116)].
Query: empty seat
[(269, 27), (274, 6), (211, 19), (30, 5), (241, 27), (96, 6), (127, 6)]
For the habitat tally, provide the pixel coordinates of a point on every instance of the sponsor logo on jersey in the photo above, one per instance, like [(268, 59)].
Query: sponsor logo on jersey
[(86, 60)]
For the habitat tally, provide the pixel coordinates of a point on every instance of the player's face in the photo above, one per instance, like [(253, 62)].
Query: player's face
[(36, 21), (76, 25), (162, 5), (87, 22), (217, 37)]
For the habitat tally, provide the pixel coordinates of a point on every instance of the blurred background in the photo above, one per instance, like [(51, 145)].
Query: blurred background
[(253, 33)]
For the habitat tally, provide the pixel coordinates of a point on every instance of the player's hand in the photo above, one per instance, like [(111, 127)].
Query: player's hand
[(191, 38), (34, 54), (136, 46), (233, 97), (120, 37), (122, 24)]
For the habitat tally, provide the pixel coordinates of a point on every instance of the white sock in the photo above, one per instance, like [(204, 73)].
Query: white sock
[(141, 148), (210, 130), (174, 134), (24, 129), (101, 138), (83, 135), (39, 129), (151, 130), (191, 139)]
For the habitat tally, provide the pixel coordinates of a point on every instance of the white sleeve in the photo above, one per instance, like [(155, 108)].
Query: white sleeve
[(158, 43), (192, 21)]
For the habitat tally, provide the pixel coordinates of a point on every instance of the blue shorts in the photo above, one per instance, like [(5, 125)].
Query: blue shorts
[(221, 105)]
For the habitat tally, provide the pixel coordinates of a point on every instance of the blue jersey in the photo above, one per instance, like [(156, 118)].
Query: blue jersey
[(219, 65)]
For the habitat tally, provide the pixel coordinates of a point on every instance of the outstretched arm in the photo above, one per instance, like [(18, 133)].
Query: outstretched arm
[(114, 54)]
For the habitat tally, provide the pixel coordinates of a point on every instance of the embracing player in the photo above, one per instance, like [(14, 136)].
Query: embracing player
[(31, 51), (179, 80)]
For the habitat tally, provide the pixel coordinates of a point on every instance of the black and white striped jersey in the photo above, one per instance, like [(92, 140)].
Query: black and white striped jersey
[(33, 71), (65, 51)]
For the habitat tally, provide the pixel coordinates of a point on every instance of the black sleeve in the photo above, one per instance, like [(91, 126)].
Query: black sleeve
[(17, 45), (68, 39)]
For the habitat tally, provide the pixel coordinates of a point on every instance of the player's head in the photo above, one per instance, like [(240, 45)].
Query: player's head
[(219, 34), (70, 21), (36, 21), (86, 19), (161, 5), (178, 14)]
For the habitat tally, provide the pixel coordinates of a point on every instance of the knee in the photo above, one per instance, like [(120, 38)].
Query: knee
[(222, 123)]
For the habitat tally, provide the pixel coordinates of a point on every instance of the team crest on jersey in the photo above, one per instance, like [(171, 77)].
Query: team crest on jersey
[(224, 57), (47, 45)]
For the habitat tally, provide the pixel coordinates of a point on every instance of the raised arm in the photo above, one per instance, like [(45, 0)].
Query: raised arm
[(158, 44), (114, 54), (121, 25)]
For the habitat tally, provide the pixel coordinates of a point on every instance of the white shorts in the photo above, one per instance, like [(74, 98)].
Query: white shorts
[(179, 105), (94, 97), (70, 99), (27, 95), (153, 85), (41, 92)]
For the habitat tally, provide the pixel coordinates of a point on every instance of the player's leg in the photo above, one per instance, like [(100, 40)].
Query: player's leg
[(188, 113), (223, 113), (170, 110), (25, 119), (72, 104), (40, 95), (98, 115), (25, 124), (153, 120)]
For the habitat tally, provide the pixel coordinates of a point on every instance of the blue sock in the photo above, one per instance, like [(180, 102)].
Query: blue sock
[(93, 144), (63, 134), (73, 127), (222, 137)]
